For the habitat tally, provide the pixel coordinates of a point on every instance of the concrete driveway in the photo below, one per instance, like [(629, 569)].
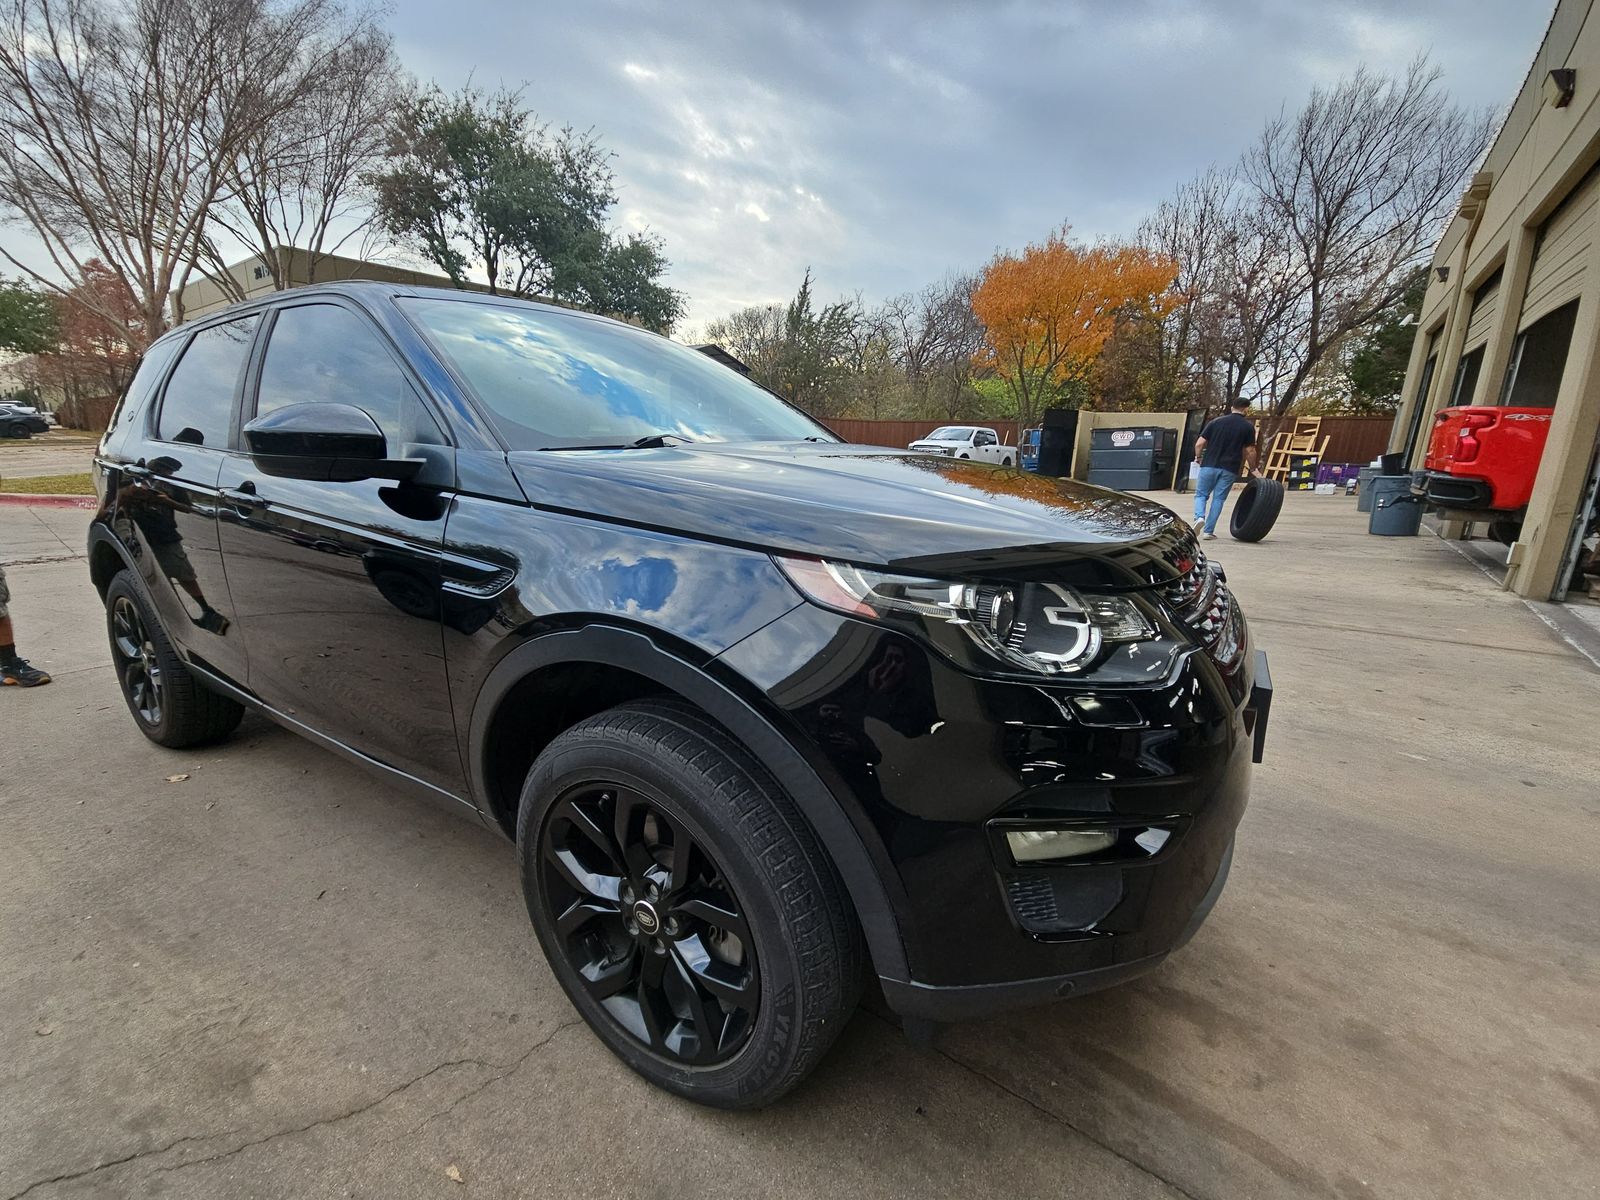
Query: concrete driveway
[(274, 978)]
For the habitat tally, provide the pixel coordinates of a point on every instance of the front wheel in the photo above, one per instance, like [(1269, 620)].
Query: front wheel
[(19, 430), (170, 706), (1006, 462), (685, 906)]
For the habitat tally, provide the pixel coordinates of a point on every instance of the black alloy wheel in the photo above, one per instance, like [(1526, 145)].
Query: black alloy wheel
[(650, 924), (138, 665), (170, 705), (684, 904)]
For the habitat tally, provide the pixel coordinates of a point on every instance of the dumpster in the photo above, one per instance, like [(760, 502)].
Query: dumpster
[(1395, 511)]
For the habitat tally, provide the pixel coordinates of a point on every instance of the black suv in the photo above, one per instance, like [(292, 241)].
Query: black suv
[(763, 712)]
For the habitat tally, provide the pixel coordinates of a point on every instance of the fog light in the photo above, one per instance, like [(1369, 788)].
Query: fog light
[(1040, 845)]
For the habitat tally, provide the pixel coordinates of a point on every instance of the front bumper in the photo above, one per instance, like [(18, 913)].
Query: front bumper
[(925, 759)]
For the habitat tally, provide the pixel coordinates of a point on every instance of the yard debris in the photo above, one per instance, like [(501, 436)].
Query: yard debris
[(45, 1030), (177, 778), (454, 1172)]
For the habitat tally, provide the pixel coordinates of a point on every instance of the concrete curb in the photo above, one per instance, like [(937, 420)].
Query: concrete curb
[(29, 500)]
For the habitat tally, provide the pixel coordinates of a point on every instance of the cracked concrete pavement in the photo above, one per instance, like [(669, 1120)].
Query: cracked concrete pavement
[(276, 978)]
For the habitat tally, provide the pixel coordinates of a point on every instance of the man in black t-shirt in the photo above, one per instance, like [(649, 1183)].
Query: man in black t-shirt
[(1225, 449)]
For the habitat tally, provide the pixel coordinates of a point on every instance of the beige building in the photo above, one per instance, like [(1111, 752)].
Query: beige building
[(254, 277), (1512, 313)]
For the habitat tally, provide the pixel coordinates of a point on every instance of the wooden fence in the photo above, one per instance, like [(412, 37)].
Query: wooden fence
[(1350, 439), (1356, 439)]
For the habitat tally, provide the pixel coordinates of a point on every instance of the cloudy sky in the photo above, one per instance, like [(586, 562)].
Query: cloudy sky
[(885, 143)]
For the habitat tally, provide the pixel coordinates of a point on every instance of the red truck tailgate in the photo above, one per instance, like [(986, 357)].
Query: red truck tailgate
[(1501, 446)]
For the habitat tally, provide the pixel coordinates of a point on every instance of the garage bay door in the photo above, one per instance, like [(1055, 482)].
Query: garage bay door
[(1558, 262)]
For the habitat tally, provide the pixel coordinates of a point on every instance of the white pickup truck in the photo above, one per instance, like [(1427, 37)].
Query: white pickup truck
[(966, 441)]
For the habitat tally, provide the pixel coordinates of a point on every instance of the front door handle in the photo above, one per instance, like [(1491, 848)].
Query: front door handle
[(244, 496)]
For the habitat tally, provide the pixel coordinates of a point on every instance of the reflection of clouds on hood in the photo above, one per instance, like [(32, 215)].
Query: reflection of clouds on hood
[(885, 143)]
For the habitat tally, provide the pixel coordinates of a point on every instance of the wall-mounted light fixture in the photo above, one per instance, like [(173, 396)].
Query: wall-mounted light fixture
[(1443, 273), (1559, 86)]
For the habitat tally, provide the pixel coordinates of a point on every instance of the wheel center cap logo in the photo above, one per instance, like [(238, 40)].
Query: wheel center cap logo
[(646, 918)]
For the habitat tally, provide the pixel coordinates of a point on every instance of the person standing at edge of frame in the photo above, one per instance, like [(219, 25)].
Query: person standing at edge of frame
[(1225, 449), (14, 671)]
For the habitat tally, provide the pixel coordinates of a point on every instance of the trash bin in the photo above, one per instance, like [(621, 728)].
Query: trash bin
[(1395, 511), (1364, 487)]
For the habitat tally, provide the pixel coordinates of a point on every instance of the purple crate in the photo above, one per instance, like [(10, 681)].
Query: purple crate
[(1336, 472)]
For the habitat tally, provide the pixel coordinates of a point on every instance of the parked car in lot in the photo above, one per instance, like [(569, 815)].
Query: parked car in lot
[(762, 712), (1482, 460), (966, 441), (21, 421)]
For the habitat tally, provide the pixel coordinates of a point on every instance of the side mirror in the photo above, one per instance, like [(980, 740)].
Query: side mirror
[(334, 443)]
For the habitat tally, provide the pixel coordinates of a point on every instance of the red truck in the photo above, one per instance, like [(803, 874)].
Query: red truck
[(1482, 461)]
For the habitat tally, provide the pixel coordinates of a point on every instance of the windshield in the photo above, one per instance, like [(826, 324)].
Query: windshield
[(552, 380), (950, 433)]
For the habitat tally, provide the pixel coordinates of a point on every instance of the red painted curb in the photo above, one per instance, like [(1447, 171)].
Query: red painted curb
[(31, 501)]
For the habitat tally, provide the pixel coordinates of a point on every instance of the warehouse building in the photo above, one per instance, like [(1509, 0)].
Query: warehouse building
[(255, 277), (1512, 312)]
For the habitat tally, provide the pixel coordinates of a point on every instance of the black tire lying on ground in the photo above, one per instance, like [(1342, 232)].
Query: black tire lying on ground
[(1256, 509)]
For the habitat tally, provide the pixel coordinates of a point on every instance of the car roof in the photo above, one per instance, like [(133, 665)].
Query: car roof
[(370, 289)]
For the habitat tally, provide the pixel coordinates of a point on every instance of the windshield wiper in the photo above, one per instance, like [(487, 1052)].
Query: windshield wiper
[(650, 441), (654, 441)]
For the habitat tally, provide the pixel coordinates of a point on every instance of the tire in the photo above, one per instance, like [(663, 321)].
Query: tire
[(1256, 510), (963, 456), (603, 812), (171, 707), (1505, 530), (19, 430), (1005, 462)]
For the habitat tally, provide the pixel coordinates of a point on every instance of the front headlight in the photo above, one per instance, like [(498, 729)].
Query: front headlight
[(1036, 628)]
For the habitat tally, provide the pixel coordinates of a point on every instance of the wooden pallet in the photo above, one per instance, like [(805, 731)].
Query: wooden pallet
[(1305, 438)]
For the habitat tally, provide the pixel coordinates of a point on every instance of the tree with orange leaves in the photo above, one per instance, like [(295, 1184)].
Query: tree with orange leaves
[(1048, 311)]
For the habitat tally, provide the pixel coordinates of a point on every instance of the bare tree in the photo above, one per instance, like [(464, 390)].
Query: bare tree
[(935, 336), (1236, 293), (1362, 181), (298, 181), (122, 120)]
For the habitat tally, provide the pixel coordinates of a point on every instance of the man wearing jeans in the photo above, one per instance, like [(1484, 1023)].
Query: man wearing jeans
[(1225, 448)]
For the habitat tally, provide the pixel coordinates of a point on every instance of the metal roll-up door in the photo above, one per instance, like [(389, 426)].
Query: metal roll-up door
[(1480, 323), (1563, 249)]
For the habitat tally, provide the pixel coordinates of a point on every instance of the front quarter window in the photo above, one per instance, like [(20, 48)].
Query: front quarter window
[(553, 380)]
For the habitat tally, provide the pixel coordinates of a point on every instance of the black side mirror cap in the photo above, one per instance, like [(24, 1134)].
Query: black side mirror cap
[(336, 443)]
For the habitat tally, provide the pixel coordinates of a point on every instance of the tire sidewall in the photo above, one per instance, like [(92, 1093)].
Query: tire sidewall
[(123, 585), (774, 1041)]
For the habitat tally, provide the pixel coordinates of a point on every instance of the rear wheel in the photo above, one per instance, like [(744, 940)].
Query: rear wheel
[(1006, 461), (170, 706), (685, 906), (1505, 530)]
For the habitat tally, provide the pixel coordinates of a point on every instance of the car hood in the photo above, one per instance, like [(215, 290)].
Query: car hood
[(863, 504)]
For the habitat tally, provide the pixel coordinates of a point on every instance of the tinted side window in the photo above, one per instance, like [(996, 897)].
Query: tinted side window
[(151, 368), (325, 354), (198, 405)]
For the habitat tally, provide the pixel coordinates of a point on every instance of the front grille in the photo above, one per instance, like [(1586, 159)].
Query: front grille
[(1202, 602)]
